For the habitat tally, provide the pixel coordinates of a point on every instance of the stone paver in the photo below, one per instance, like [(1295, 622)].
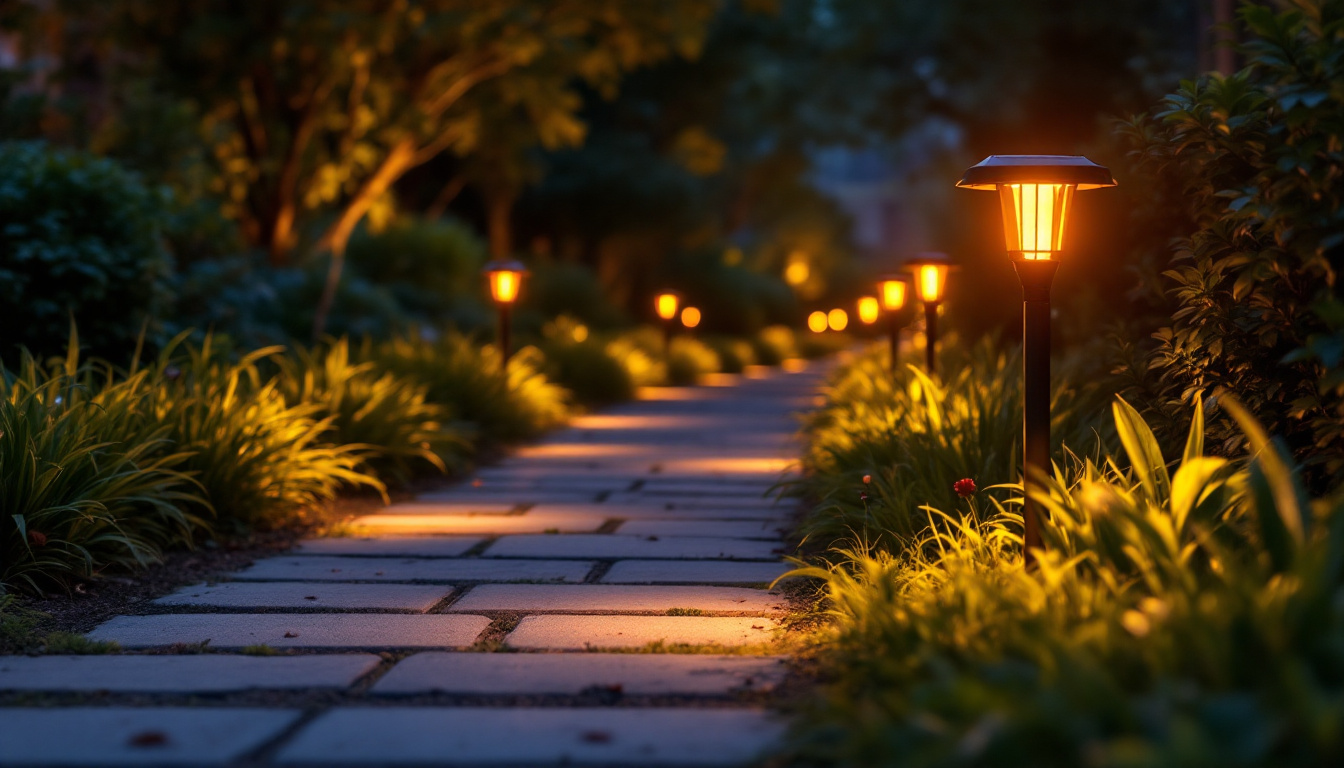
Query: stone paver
[(414, 569), (595, 598), (612, 547), (630, 674), (331, 630), (365, 546), (693, 572), (653, 509), (697, 501), (390, 597), (734, 529), (201, 673), (579, 633), (135, 737), (480, 524), (531, 736)]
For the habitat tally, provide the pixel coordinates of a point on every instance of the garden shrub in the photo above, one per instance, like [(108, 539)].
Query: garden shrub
[(689, 360), (1256, 158), (774, 345), (584, 364), (79, 237), (431, 269), (734, 354), (1182, 616)]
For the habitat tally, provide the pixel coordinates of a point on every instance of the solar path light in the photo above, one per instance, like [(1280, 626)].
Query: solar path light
[(505, 279), (930, 273), (893, 291)]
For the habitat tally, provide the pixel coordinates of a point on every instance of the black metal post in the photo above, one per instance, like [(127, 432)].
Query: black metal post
[(504, 333), (1036, 277), (668, 331), (931, 336), (894, 330)]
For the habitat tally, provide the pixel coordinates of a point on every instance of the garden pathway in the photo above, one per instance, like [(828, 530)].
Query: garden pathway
[(624, 561)]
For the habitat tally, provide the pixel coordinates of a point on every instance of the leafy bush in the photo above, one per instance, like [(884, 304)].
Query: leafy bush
[(916, 436), (555, 289), (1255, 156), (1185, 617), (468, 380), (774, 345), (688, 360), (398, 433), (90, 479), (585, 364), (430, 268), (734, 354), (79, 237)]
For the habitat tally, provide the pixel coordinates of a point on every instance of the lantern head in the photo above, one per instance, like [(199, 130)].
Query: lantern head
[(666, 305), (869, 309), (930, 271), (893, 291), (505, 278), (1036, 196), (690, 317)]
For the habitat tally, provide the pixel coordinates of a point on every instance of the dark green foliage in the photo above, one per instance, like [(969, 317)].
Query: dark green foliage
[(79, 237), (1258, 161), (430, 268), (589, 370), (555, 289)]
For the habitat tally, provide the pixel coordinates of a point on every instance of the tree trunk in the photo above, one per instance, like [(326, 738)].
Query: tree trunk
[(398, 161), (499, 212)]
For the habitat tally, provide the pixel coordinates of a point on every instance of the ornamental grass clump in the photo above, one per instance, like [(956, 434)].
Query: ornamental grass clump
[(917, 436), (90, 478), (1183, 613), (398, 433), (261, 461), (503, 406)]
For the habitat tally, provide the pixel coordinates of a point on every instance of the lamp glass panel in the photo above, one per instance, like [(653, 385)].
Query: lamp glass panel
[(868, 309), (667, 305), (930, 281), (1035, 217), (504, 285), (893, 294)]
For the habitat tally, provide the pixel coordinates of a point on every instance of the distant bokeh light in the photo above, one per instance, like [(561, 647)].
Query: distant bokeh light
[(868, 309), (838, 319), (816, 322), (690, 317)]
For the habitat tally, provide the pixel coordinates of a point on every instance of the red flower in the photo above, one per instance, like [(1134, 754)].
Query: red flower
[(38, 538), (965, 487), (867, 479)]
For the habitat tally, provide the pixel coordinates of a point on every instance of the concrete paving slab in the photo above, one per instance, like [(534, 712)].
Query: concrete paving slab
[(534, 736), (573, 673), (136, 736), (693, 572), (298, 594), (479, 524), (445, 571), (729, 529), (424, 546), (199, 673), (490, 506), (658, 509), (581, 633), (279, 630), (600, 598), (604, 546), (516, 497), (695, 502)]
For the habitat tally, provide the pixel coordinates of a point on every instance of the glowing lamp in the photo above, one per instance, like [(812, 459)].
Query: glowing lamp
[(893, 290), (816, 322), (504, 279), (666, 305), (869, 309), (1036, 198), (690, 317), (930, 278), (837, 319)]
